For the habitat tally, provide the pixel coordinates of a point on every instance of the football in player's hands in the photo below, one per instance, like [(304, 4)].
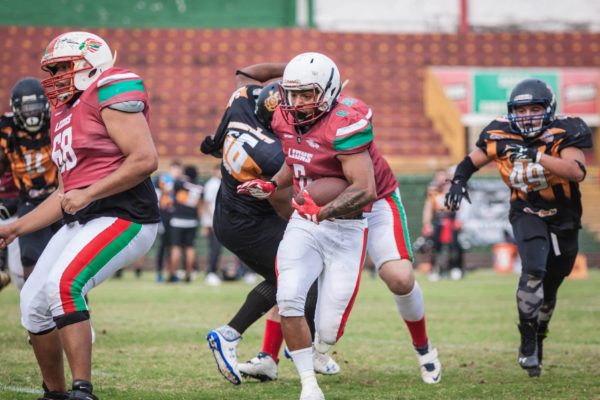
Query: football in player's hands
[(323, 190)]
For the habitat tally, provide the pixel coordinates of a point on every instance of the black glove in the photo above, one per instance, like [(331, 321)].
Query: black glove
[(518, 152), (208, 146), (455, 194)]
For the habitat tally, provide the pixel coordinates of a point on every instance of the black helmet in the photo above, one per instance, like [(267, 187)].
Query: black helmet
[(531, 91), (268, 99), (29, 104)]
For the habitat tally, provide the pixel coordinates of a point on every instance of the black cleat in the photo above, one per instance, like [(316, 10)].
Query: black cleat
[(82, 390), (51, 395), (534, 372), (528, 351)]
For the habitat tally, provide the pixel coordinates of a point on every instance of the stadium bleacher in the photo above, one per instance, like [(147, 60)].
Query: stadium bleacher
[(189, 73)]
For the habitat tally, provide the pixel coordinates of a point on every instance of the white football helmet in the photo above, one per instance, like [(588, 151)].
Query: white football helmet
[(89, 56), (310, 71)]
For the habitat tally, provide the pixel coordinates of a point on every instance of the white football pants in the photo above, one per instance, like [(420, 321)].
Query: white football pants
[(78, 258), (333, 252)]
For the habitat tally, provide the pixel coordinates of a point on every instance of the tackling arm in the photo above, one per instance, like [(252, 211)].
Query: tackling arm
[(257, 74)]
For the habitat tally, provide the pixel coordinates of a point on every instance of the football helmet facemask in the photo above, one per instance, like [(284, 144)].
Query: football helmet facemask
[(88, 55), (309, 71), (531, 91), (29, 104), (267, 101)]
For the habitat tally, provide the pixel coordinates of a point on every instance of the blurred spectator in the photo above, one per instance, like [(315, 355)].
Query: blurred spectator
[(211, 188), (441, 226), (184, 222), (164, 184)]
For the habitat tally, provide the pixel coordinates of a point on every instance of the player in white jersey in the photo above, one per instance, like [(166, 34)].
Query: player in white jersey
[(102, 146)]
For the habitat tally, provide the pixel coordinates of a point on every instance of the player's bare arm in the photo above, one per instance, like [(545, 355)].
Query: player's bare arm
[(283, 178), (281, 201), (570, 165), (257, 74), (358, 170), (131, 133), (479, 158)]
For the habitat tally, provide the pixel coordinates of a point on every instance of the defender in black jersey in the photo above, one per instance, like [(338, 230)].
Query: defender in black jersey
[(540, 159), (25, 149), (184, 222), (248, 227)]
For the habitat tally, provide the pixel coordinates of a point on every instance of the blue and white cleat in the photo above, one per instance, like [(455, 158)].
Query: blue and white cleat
[(324, 364), (431, 368), (224, 352), (261, 367)]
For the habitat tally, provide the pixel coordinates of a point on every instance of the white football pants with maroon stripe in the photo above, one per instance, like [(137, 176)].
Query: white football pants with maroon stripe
[(78, 258), (388, 231), (333, 252)]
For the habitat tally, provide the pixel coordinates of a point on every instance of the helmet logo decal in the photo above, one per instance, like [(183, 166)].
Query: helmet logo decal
[(90, 44), (523, 97), (272, 101)]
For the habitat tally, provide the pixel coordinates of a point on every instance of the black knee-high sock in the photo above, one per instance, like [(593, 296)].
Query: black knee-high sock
[(310, 307), (260, 300)]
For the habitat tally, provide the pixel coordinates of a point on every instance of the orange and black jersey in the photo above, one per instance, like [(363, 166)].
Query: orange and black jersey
[(30, 159), (535, 190), (249, 151), (187, 199)]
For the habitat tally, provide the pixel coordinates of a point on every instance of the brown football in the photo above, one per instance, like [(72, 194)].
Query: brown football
[(323, 190)]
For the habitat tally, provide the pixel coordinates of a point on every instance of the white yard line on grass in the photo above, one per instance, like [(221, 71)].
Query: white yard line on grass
[(18, 389)]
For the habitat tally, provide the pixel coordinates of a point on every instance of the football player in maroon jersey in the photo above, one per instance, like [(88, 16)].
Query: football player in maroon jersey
[(103, 149), (540, 159), (318, 129)]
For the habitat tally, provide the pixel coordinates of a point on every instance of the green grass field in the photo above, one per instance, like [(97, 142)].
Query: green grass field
[(151, 345)]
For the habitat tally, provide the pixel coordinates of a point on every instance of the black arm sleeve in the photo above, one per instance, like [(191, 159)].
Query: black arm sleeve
[(464, 170)]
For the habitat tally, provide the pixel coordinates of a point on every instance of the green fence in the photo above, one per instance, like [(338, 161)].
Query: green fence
[(150, 13)]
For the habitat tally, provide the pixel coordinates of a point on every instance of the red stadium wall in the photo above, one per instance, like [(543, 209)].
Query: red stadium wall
[(190, 73)]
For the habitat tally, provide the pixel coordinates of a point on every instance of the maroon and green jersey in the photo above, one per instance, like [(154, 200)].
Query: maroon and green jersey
[(346, 129), (84, 152)]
